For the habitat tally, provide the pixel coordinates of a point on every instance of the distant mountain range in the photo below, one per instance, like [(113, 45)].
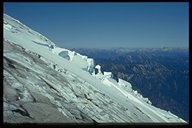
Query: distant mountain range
[(44, 83), (161, 74)]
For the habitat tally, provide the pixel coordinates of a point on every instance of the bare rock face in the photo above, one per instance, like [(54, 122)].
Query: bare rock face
[(43, 113), (10, 93), (34, 92), (24, 101), (42, 87)]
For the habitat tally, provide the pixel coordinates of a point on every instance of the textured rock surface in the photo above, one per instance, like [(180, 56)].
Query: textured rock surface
[(41, 86), (30, 86)]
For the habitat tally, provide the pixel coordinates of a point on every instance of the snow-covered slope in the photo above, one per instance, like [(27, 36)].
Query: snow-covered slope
[(46, 83)]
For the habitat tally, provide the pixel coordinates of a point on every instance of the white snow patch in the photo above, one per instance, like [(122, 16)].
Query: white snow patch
[(107, 74), (7, 26), (37, 43), (125, 84)]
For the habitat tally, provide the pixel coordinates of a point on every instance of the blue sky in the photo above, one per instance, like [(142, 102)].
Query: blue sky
[(106, 25)]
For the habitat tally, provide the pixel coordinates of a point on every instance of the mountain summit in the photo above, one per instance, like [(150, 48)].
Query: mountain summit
[(44, 83)]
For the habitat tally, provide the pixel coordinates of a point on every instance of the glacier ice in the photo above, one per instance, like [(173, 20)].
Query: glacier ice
[(63, 85)]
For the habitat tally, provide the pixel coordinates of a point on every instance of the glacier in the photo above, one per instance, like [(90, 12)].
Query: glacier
[(45, 83)]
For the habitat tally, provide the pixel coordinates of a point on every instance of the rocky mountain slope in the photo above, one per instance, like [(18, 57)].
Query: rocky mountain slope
[(44, 83), (161, 74)]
